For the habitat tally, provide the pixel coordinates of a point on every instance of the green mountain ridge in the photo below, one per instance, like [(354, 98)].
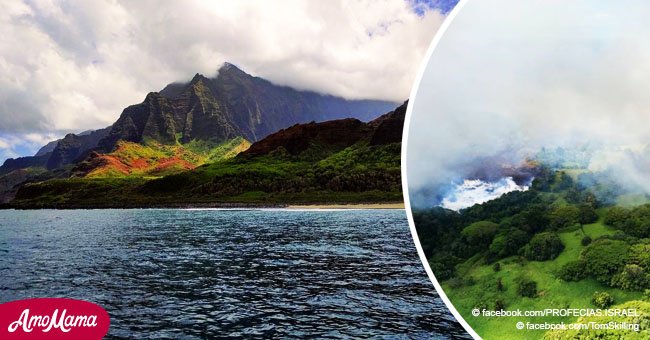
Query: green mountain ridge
[(205, 112), (334, 161), (233, 104)]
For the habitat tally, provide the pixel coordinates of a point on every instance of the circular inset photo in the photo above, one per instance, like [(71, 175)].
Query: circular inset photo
[(527, 168)]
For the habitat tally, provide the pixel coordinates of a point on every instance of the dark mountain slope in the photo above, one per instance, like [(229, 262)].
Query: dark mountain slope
[(12, 164), (388, 127), (259, 107), (63, 152), (298, 138), (47, 148), (206, 118), (194, 114), (152, 119), (10, 182), (69, 149), (336, 134), (233, 104)]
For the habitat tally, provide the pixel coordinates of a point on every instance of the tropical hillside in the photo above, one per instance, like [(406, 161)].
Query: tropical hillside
[(575, 239), (191, 126), (339, 161)]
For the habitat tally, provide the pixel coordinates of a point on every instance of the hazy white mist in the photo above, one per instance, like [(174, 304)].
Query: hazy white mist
[(539, 74)]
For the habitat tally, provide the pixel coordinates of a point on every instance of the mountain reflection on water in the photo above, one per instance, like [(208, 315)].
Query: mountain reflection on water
[(228, 273)]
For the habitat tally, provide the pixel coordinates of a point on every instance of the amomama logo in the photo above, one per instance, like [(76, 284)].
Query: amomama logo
[(52, 318)]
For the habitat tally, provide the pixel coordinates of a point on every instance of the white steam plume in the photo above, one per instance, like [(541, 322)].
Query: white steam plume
[(509, 78)]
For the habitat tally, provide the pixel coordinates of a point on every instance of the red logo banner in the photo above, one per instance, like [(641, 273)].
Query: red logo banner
[(52, 318)]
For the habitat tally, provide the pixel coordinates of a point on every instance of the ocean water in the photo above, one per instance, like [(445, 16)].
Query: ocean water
[(176, 274)]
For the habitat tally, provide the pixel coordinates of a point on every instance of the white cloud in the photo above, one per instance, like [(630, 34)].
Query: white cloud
[(4, 144), (16, 145), (541, 73), (74, 65)]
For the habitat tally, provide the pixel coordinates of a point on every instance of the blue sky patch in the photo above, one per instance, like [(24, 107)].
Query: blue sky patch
[(422, 6)]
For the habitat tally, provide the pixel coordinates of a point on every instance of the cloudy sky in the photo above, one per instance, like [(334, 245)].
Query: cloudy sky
[(542, 73), (68, 66)]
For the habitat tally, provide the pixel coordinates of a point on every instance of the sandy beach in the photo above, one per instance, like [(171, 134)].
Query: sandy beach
[(395, 205)]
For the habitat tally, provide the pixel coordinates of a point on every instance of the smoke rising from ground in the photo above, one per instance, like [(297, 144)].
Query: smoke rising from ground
[(502, 84), (477, 191)]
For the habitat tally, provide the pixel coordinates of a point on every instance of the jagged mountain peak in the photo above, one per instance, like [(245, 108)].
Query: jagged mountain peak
[(152, 97), (232, 104), (257, 107), (230, 67), (198, 78)]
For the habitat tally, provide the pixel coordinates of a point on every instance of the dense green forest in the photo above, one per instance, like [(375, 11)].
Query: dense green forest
[(321, 174), (574, 239)]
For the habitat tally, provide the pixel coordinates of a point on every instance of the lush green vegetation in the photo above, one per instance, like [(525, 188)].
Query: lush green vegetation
[(214, 153), (562, 244), (358, 174), (153, 159)]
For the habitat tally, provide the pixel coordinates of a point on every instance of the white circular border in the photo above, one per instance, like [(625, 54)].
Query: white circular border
[(405, 134)]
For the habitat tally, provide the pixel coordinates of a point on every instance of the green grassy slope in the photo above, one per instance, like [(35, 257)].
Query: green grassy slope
[(554, 246), (553, 292), (153, 159)]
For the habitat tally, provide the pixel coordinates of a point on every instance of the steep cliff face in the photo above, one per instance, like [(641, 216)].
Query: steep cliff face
[(152, 119), (211, 111), (203, 116), (258, 107), (192, 114)]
